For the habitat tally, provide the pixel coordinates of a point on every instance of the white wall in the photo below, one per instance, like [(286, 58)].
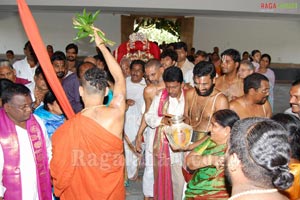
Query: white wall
[(55, 29), (278, 37)]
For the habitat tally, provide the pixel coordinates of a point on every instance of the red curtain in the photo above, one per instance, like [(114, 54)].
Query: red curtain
[(38, 45)]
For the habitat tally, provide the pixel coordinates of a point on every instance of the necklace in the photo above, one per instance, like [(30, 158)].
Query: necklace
[(266, 191), (200, 112), (91, 107)]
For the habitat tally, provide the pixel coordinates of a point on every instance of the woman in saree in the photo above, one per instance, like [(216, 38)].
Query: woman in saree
[(207, 160), (292, 124)]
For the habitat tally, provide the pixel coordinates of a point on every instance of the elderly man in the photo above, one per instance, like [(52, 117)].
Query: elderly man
[(125, 66), (246, 68), (24, 159), (153, 73), (8, 72), (254, 103)]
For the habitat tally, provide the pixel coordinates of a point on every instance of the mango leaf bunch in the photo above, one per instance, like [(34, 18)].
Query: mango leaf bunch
[(84, 23)]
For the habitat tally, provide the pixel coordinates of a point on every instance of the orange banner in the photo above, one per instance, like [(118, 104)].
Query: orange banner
[(39, 48)]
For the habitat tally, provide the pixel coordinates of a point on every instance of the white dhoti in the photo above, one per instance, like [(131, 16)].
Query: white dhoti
[(133, 118), (148, 178)]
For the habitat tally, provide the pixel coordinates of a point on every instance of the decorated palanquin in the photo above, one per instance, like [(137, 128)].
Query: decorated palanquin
[(138, 47)]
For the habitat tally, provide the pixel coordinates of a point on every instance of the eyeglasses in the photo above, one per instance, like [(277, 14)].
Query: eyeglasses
[(23, 107)]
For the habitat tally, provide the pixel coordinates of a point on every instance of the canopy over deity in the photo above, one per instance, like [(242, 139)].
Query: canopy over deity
[(138, 47)]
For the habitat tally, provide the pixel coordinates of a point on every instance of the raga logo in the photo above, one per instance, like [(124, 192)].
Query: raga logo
[(268, 5), (273, 5)]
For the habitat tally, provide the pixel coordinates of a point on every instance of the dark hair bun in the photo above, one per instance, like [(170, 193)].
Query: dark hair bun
[(283, 180)]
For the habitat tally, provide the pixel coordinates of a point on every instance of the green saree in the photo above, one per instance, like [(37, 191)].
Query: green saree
[(208, 182)]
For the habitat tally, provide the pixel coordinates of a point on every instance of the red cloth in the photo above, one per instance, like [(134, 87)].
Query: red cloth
[(22, 81), (163, 188), (39, 48), (87, 161), (125, 49)]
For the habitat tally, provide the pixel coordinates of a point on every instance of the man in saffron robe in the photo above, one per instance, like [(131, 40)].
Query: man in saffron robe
[(24, 170), (88, 159), (168, 177)]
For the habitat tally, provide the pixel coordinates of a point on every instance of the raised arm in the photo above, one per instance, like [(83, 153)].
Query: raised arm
[(119, 91)]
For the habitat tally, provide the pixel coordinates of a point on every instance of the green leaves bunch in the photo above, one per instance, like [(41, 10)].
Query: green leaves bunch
[(84, 23)]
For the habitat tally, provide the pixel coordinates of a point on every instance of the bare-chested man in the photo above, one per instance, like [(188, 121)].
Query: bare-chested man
[(230, 84), (204, 99), (153, 72), (254, 103), (80, 144)]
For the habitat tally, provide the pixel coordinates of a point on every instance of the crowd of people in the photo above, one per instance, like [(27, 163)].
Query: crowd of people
[(239, 149)]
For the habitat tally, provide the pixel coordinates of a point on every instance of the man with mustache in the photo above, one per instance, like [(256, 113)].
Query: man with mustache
[(71, 57), (294, 99), (135, 85), (229, 83), (254, 103), (68, 80), (203, 100), (24, 148), (167, 164)]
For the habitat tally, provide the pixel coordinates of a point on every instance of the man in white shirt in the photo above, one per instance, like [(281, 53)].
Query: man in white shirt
[(182, 62), (25, 148), (170, 102), (25, 68), (135, 85)]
